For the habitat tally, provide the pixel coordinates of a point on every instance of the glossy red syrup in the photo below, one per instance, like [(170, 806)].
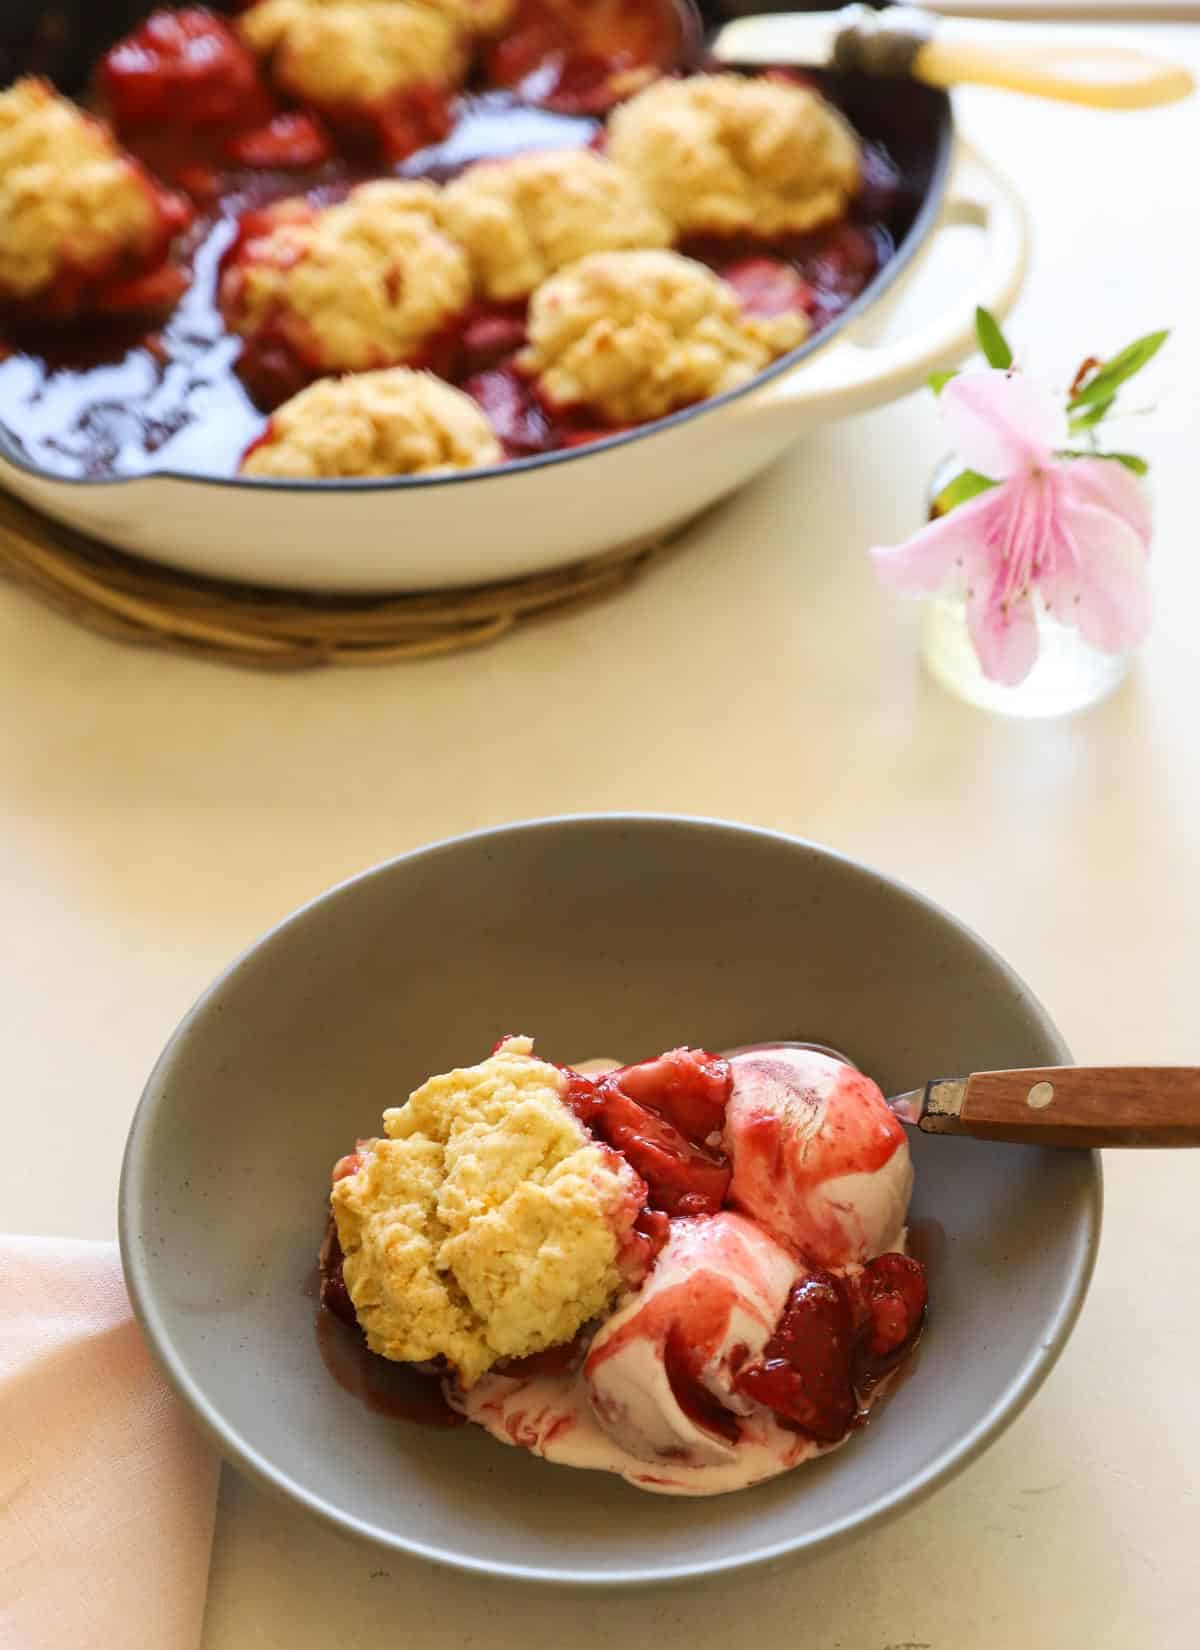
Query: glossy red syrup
[(153, 383), (398, 1391)]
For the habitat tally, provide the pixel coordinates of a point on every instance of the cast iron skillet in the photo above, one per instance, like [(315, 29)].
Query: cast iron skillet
[(913, 122)]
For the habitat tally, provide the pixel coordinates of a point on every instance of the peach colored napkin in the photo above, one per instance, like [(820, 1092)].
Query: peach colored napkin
[(107, 1493)]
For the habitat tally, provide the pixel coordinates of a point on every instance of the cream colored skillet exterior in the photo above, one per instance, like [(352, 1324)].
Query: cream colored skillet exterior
[(500, 524)]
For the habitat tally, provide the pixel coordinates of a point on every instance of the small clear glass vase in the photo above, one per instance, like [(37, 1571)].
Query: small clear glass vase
[(1069, 674)]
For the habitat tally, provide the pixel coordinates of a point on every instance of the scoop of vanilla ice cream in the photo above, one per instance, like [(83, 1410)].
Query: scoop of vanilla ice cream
[(655, 1401), (634, 335), (390, 423), (361, 284), (709, 1306), (69, 196), (332, 52), (522, 219), (488, 1224), (724, 154), (819, 1158)]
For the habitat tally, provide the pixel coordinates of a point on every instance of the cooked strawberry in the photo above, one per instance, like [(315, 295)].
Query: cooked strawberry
[(583, 59), (683, 1178), (688, 1086), (411, 119), (892, 1291), (769, 286), (583, 1095), (184, 68), (806, 1371), (285, 142)]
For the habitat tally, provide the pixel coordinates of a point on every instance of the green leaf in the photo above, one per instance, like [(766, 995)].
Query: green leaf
[(1090, 416), (1107, 380), (991, 340), (938, 380), (1131, 461), (965, 486)]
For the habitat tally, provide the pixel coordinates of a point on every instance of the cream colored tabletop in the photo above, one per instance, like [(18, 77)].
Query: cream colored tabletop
[(157, 814)]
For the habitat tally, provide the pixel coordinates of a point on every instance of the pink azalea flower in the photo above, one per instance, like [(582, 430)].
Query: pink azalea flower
[(1075, 530)]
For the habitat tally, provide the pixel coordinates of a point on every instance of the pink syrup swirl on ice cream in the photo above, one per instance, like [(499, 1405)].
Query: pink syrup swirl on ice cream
[(819, 1158)]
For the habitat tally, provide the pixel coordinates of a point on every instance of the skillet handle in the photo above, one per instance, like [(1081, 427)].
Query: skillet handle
[(849, 377), (1069, 66)]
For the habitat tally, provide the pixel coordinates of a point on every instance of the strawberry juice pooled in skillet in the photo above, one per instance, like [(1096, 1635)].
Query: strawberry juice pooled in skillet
[(689, 1272), (245, 273)]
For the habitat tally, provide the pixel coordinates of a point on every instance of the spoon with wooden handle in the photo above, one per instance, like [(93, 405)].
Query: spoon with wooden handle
[(1052, 1105), (1067, 64), (1062, 1106)]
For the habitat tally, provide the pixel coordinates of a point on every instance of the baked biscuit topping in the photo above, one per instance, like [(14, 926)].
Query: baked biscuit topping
[(362, 284), (523, 219), (487, 1224), (726, 155), (391, 423), (72, 203), (331, 52), (634, 335)]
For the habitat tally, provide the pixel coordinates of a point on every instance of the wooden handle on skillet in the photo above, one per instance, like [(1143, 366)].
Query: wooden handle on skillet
[(1081, 1106), (1070, 66)]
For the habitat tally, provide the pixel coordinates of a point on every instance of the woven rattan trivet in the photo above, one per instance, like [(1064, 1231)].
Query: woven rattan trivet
[(139, 601)]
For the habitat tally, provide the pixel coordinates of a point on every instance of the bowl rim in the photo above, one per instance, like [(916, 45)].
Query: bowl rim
[(238, 1450), (921, 228)]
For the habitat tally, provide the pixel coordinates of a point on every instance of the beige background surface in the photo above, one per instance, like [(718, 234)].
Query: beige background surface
[(156, 815)]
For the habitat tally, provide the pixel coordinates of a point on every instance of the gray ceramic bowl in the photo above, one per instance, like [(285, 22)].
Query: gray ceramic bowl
[(617, 934)]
